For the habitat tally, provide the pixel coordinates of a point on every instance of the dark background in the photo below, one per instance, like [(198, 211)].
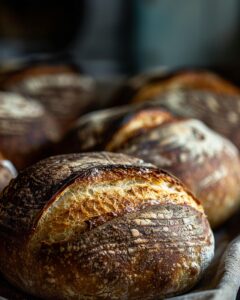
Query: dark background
[(107, 37)]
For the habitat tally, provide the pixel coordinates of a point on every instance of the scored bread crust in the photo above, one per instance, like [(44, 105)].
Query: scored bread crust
[(101, 226), (93, 131)]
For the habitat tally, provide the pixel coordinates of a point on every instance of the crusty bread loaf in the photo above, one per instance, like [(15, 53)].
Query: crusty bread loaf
[(205, 161), (219, 112), (185, 80), (61, 89), (147, 86), (101, 226), (25, 128), (93, 130), (7, 172)]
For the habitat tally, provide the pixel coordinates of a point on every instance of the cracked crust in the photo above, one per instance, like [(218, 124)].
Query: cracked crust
[(122, 229)]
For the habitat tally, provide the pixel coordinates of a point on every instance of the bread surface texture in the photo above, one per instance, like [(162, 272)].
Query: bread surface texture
[(220, 112), (25, 128), (101, 226), (61, 89)]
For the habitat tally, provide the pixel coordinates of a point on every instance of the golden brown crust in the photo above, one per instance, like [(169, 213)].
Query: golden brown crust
[(93, 131), (137, 122), (62, 90), (25, 128), (101, 226)]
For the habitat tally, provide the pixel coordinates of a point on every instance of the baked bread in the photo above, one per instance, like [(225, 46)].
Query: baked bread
[(101, 226), (7, 172), (150, 85), (60, 88), (92, 131), (205, 161), (219, 112), (25, 128)]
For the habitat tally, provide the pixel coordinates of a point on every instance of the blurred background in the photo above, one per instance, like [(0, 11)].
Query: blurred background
[(107, 38)]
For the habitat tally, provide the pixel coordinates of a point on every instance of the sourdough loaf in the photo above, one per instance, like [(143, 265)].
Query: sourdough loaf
[(101, 226)]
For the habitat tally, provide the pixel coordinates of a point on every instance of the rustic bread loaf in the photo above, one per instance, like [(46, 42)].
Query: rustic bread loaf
[(101, 226), (144, 87), (219, 112), (93, 130), (205, 161), (185, 80), (61, 89), (25, 128), (7, 172)]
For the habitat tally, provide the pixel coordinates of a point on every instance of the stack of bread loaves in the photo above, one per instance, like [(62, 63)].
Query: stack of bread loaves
[(101, 219)]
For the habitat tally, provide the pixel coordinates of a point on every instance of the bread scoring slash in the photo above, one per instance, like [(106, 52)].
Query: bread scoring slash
[(101, 226)]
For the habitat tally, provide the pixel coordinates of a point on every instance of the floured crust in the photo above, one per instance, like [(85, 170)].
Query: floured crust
[(219, 112), (93, 131), (62, 90), (206, 162), (25, 127), (120, 227)]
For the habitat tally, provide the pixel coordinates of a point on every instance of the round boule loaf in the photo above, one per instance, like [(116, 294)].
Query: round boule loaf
[(101, 226)]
